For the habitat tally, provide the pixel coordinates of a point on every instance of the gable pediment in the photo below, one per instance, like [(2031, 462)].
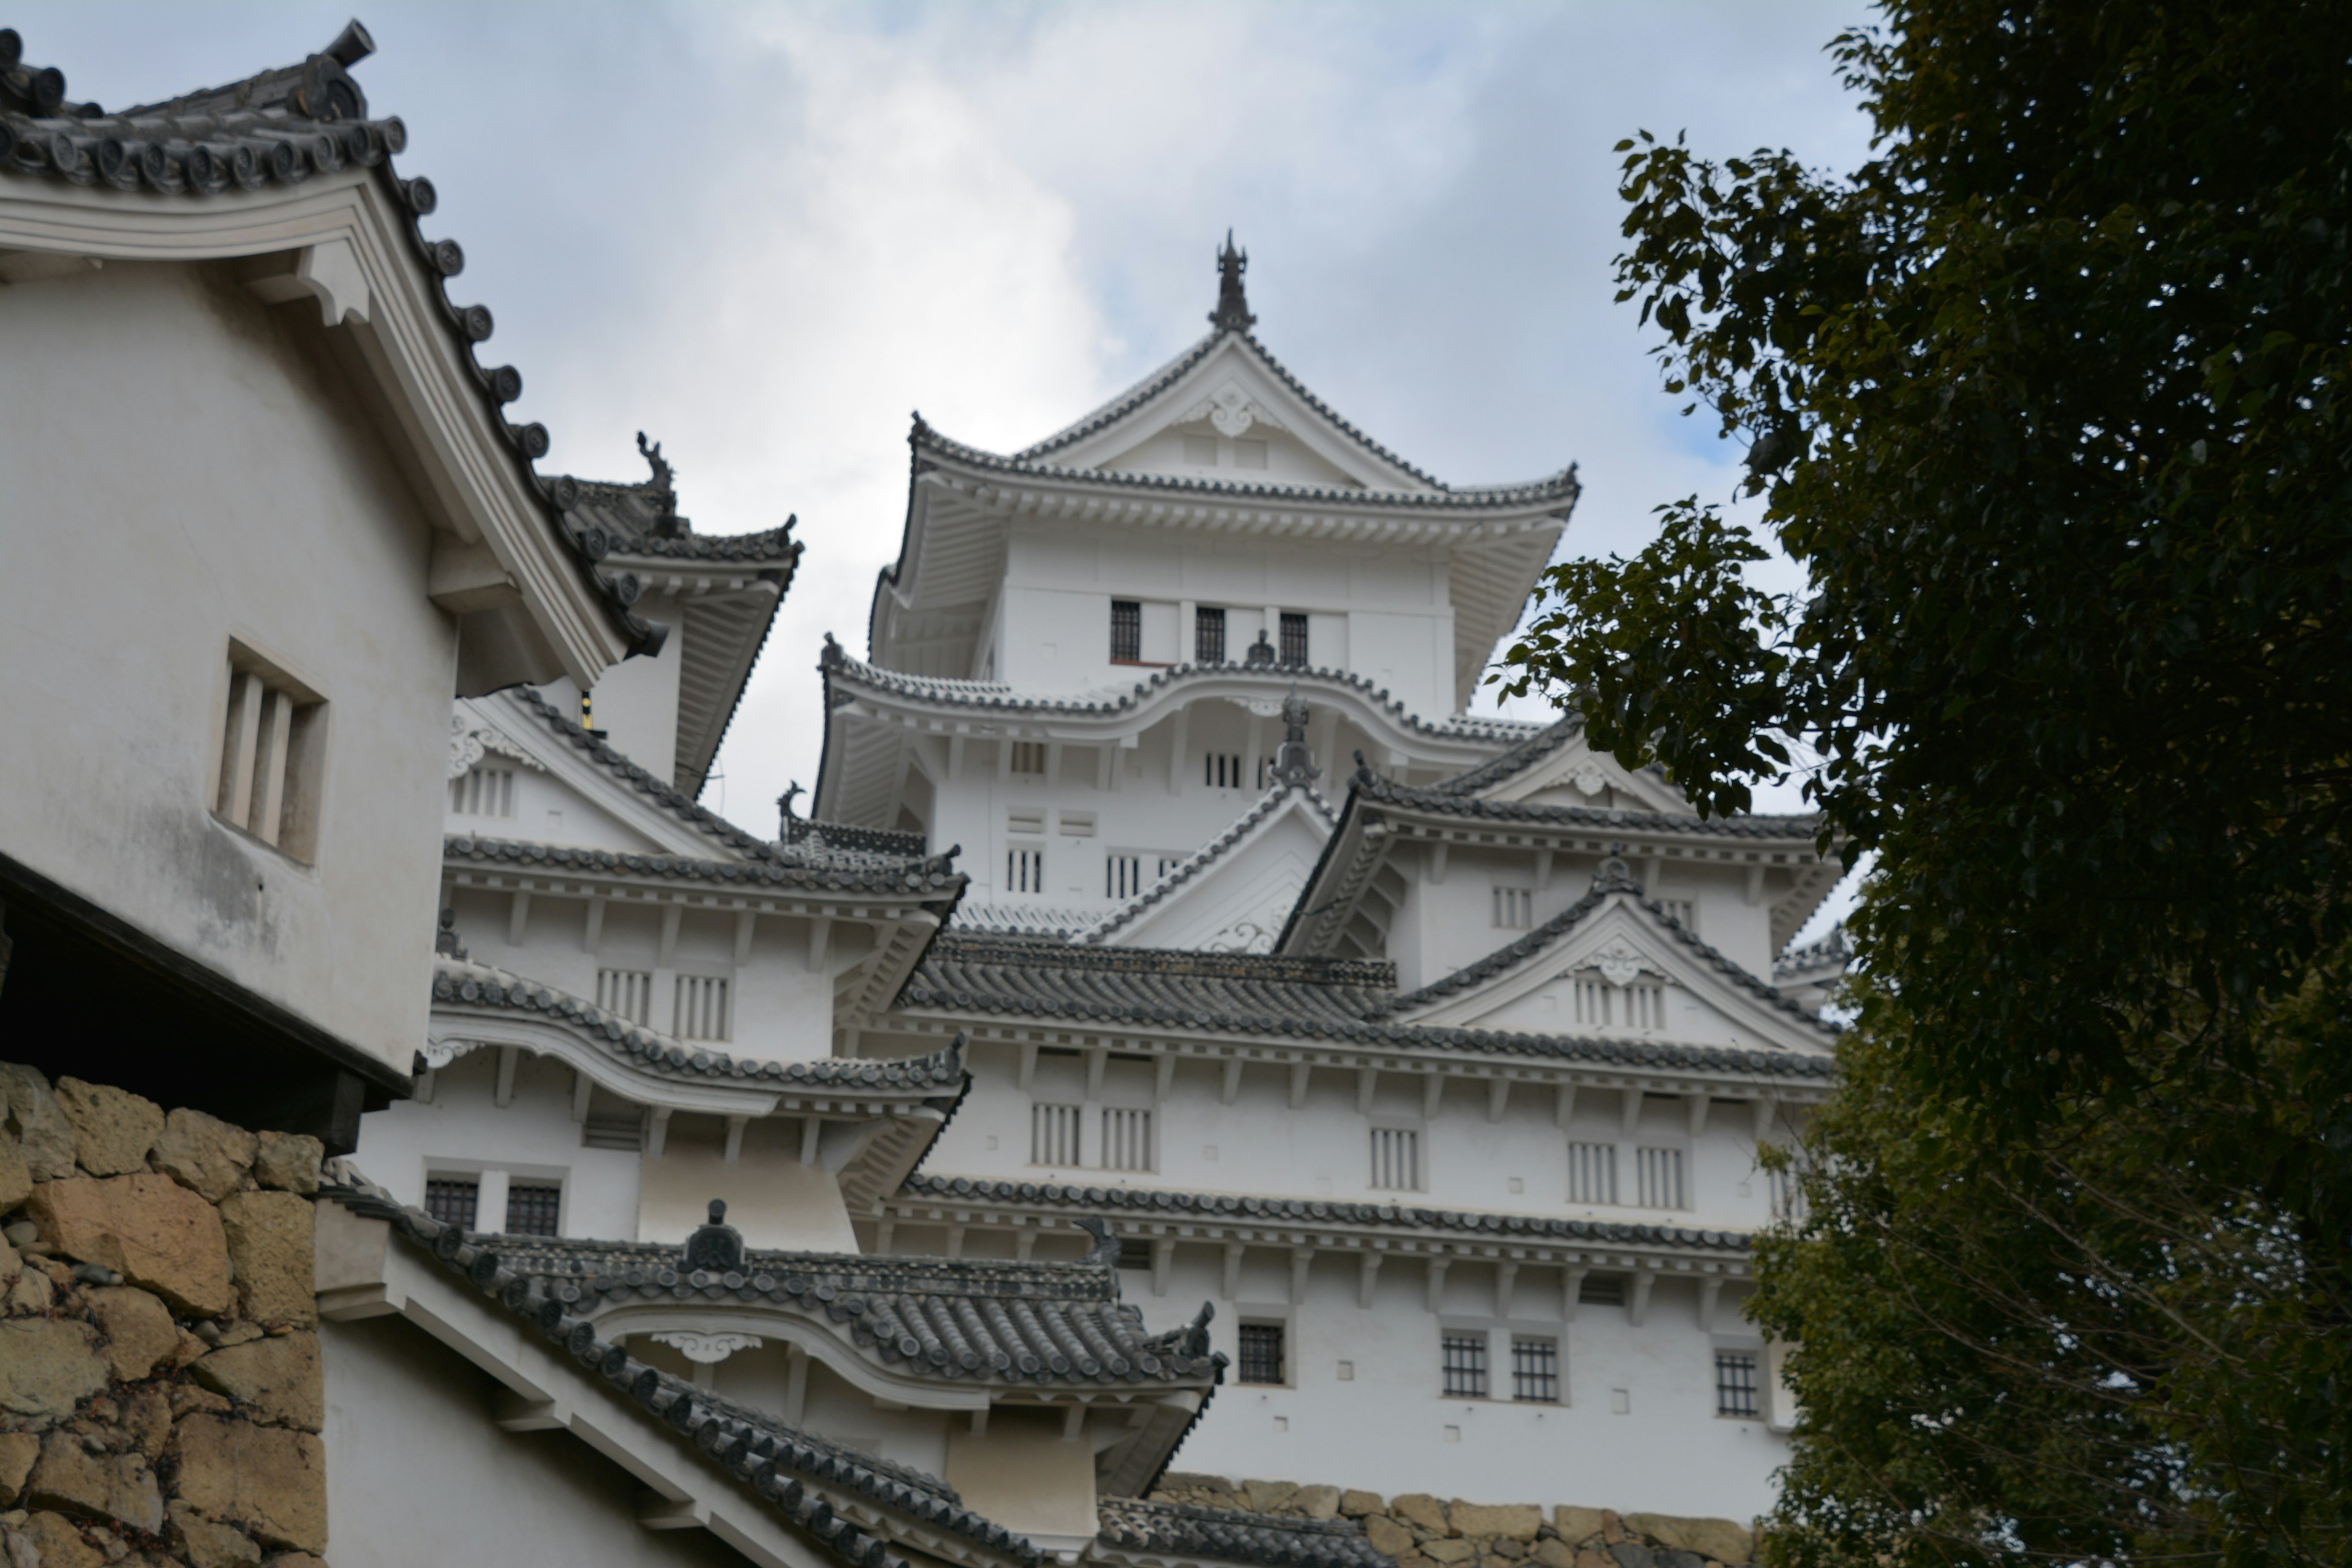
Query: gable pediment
[(1233, 896), (1577, 774)]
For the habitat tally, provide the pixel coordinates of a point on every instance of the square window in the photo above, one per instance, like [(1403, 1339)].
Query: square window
[(700, 1010), (1396, 1159), (1126, 1139), (1025, 870), (1027, 757), (626, 994), (1658, 1178), (1735, 1383), (451, 1199), (533, 1208), (1515, 908), (1465, 1357), (1261, 1348), (1053, 1134), (1535, 1370), (1592, 1173)]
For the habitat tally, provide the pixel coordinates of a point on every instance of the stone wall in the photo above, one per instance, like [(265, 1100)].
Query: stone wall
[(160, 1387), (1422, 1531)]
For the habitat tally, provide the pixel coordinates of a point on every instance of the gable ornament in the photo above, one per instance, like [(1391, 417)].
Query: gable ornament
[(1588, 778), (470, 740), (1619, 964), (705, 1349)]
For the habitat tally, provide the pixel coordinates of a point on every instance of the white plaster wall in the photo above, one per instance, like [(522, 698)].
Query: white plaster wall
[(548, 810), (1022, 1473), (774, 1199), (193, 467), (462, 1129), (417, 1472)]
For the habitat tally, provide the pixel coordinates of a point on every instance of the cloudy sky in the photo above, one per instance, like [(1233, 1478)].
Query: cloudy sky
[(766, 233)]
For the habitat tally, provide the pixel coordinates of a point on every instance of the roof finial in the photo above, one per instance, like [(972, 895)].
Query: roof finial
[(1233, 312), (1294, 763)]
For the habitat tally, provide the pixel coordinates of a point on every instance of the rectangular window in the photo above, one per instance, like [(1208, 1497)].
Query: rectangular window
[(1025, 870), (1735, 1383), (1078, 824), (1053, 1134), (1515, 908), (533, 1208), (483, 791), (1126, 631), (1645, 1005), (1658, 1178), (1535, 1370), (450, 1199), (1600, 1005), (627, 992), (1788, 1195), (1464, 1364), (1294, 637), (1026, 820), (1592, 1173), (1122, 876), (1262, 1352), (1208, 636), (1602, 1290), (701, 1008), (1396, 1159), (1223, 770), (1126, 1140), (1028, 757), (271, 731)]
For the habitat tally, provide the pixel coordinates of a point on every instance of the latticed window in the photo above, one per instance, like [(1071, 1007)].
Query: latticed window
[(1396, 1158), (1126, 1139), (1261, 1353), (701, 1007), (270, 732), (533, 1207), (1028, 757), (483, 791), (1515, 908), (1209, 636), (1122, 876), (1223, 770), (628, 992), (1658, 1178), (1735, 1383), (1465, 1357), (1592, 1173), (1053, 1134), (1294, 637), (451, 1199), (1535, 1370), (1025, 870), (1126, 631)]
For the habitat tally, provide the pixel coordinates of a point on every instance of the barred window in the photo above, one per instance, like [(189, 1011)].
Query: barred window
[(1223, 770), (271, 732), (1464, 1364), (532, 1207), (1028, 757), (1396, 1158), (1735, 1383), (483, 791), (450, 1199), (1535, 1370), (1602, 1290), (1122, 876), (1658, 1178), (1053, 1134), (1592, 1173), (1126, 1140), (700, 1010), (1208, 635), (1261, 1353), (1294, 637), (627, 993), (1126, 631), (1515, 908), (1025, 870), (1788, 1195)]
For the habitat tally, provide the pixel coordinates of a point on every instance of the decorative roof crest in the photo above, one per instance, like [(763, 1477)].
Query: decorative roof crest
[(667, 524), (1104, 1250), (1233, 312), (1294, 764), (1614, 876), (716, 1246)]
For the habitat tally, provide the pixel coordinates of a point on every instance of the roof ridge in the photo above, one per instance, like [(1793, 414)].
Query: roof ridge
[(859, 866), (1237, 1535), (1203, 858), (1436, 797)]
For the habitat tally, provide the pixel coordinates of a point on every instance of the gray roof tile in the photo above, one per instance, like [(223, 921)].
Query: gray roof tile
[(1275, 1541)]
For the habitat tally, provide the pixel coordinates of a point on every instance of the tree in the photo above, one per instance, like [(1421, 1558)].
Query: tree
[(2047, 401)]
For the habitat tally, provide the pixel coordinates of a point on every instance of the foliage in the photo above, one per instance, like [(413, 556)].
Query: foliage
[(2048, 402)]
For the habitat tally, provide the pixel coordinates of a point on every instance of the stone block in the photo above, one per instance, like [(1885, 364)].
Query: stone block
[(1633, 1555), (15, 1176), (44, 1136), (1612, 1529), (147, 1420), (1448, 1549), (1576, 1525), (269, 1480), (1356, 1505), (289, 1162), (1510, 1548), (113, 1128), (207, 1543), (1388, 1537), (1267, 1497), (146, 1227), (1554, 1553), (269, 1240), (48, 1365), (295, 1560), (1318, 1502), (1716, 1538), (1495, 1560), (204, 1153), (58, 1541), (30, 1295), (17, 1452), (278, 1380), (112, 1489), (1517, 1520), (1588, 1558), (139, 1329), (1420, 1509)]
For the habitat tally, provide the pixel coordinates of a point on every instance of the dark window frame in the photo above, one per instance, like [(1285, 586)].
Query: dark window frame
[(534, 1207), (454, 1200), (1208, 635), (1264, 1356), (1293, 649), (1535, 1370), (1737, 1392), (1462, 1359), (1127, 631)]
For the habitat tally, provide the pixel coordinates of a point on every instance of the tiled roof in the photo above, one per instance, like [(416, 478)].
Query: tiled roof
[(1609, 881), (797, 866), (1275, 1541), (281, 127), (1001, 697), (1339, 1000), (641, 518), (1561, 489), (840, 836), (961, 1319), (1203, 857), (1830, 953), (458, 983), (1451, 802), (1051, 923), (1323, 1211), (1515, 761), (789, 1468)]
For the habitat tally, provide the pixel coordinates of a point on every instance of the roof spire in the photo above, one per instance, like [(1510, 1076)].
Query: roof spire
[(1233, 312)]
